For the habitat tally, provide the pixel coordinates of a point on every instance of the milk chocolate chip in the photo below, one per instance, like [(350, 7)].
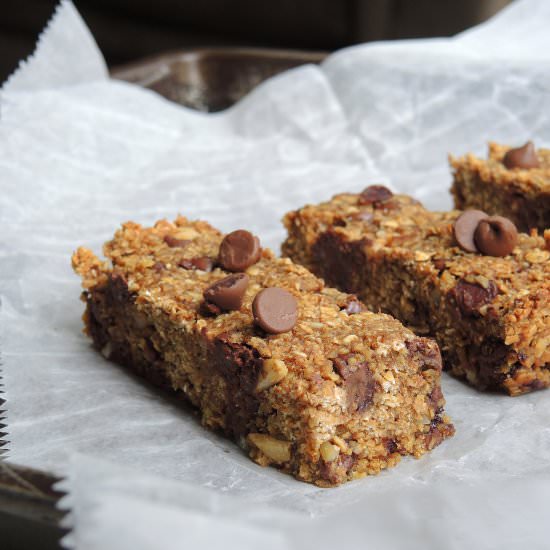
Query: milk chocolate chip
[(374, 194), (227, 293), (496, 236), (465, 227), (359, 382), (275, 310), (239, 250), (470, 297), (522, 157)]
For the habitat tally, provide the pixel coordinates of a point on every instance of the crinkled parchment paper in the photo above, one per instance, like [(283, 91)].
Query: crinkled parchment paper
[(80, 153)]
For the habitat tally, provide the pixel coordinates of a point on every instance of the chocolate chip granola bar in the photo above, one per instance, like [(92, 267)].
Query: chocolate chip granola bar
[(512, 182), (297, 373), (471, 281)]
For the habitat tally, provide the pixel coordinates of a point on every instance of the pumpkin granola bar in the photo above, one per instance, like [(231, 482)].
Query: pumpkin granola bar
[(297, 373), (489, 314), (511, 182)]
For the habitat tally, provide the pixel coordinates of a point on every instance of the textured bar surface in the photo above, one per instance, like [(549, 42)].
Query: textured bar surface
[(490, 315), (343, 394), (519, 194)]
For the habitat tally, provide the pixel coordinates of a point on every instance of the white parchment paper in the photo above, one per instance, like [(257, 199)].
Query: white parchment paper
[(79, 154)]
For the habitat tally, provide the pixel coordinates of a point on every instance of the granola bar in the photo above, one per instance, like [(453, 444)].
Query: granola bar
[(295, 372), (512, 182), (489, 312)]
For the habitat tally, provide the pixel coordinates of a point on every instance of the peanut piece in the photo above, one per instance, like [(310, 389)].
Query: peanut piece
[(275, 449), (273, 371), (186, 233), (329, 452)]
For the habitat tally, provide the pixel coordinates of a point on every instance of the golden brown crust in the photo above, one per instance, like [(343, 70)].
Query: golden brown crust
[(491, 316), (337, 397)]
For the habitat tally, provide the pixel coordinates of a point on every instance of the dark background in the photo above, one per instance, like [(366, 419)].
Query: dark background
[(127, 30)]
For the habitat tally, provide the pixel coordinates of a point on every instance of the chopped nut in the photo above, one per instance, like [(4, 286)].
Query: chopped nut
[(340, 443), (388, 375), (275, 449), (329, 452), (537, 256), (484, 282), (186, 233), (200, 324), (421, 256), (541, 346), (273, 371), (511, 339), (398, 345), (390, 223)]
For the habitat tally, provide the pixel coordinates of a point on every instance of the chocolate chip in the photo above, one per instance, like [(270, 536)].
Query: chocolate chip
[(488, 361), (173, 242), (360, 387), (338, 222), (334, 472), (239, 250), (204, 263), (359, 382), (471, 297), (275, 310), (227, 293), (496, 236), (119, 291), (158, 267), (427, 352), (464, 229), (522, 157), (438, 432), (240, 366), (535, 385), (347, 461), (374, 194), (391, 445), (436, 397), (341, 365)]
